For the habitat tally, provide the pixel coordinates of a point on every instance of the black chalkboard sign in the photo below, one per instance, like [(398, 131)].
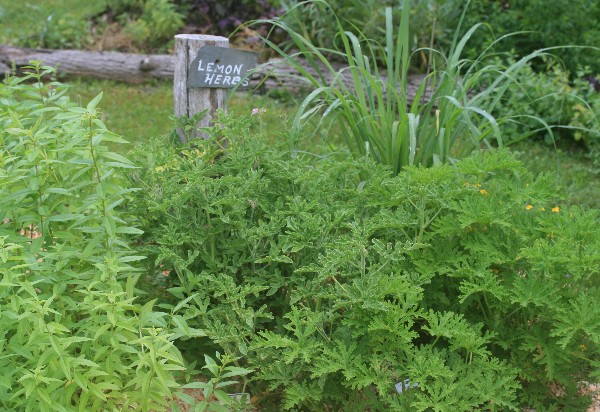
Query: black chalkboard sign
[(220, 67)]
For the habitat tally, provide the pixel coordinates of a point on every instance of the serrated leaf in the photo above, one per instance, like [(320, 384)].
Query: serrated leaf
[(64, 217), (236, 371), (94, 102), (58, 190), (129, 230), (186, 398)]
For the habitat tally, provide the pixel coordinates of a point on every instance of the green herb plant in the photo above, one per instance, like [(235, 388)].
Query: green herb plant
[(73, 335), (469, 286), (216, 399)]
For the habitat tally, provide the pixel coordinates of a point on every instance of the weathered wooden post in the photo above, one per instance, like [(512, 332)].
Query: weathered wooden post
[(191, 101), (204, 69)]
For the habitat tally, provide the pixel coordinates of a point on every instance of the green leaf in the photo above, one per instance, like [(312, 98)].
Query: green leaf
[(129, 230), (224, 399), (58, 190), (118, 158), (127, 259), (44, 396), (211, 365), (64, 217), (236, 371), (186, 398), (196, 385), (94, 102)]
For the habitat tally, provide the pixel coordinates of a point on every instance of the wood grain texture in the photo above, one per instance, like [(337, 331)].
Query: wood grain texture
[(189, 102), (127, 67)]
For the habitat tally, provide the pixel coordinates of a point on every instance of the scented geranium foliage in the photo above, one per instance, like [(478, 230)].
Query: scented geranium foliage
[(469, 285), (72, 335)]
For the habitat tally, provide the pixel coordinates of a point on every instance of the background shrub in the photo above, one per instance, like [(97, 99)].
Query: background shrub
[(460, 106), (335, 280), (571, 109), (224, 17), (563, 23)]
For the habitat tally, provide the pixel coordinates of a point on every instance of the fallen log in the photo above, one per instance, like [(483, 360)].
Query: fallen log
[(280, 74), (126, 67), (137, 68)]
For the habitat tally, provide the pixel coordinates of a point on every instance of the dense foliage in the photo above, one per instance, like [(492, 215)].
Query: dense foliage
[(536, 102), (335, 280), (73, 335), (148, 23), (419, 270), (562, 23)]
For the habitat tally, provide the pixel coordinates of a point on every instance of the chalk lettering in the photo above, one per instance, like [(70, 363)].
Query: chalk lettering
[(221, 68)]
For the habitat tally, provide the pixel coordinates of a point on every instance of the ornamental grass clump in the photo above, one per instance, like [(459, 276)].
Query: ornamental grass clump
[(448, 118)]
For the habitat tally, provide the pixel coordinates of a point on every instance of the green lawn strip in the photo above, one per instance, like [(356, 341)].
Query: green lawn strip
[(136, 112), (140, 111)]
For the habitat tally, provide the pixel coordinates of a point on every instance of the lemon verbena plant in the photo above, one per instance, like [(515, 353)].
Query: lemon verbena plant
[(72, 333)]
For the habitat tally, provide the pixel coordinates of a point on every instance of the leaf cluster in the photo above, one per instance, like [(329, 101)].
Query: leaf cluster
[(335, 279)]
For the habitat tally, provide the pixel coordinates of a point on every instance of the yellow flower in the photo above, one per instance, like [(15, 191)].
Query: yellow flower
[(556, 209), (528, 207), (483, 192)]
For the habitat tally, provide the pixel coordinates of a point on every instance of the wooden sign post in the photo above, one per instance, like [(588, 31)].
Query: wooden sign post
[(191, 101), (204, 69)]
